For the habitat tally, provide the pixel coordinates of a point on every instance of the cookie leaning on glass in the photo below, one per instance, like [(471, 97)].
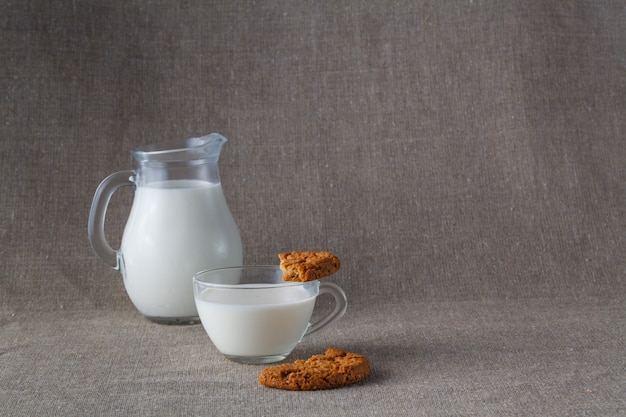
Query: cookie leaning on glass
[(302, 266)]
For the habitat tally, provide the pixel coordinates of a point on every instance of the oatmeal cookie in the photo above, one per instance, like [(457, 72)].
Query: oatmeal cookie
[(301, 266), (336, 368)]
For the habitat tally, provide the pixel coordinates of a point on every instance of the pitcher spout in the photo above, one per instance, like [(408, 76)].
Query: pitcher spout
[(212, 144), (204, 147), (193, 158)]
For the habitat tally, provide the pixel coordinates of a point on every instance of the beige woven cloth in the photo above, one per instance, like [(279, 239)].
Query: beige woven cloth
[(466, 160)]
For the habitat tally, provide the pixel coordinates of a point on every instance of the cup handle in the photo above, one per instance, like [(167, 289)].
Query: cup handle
[(95, 228), (341, 304)]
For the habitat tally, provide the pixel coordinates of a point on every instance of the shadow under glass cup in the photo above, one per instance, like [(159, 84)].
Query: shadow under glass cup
[(252, 316)]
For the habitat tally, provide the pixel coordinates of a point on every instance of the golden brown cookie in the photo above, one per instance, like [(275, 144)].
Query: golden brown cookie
[(301, 266), (336, 368)]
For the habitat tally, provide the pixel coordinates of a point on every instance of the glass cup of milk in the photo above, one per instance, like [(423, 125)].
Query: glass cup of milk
[(252, 316)]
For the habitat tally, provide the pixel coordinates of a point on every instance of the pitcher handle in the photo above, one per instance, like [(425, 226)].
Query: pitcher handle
[(341, 304), (95, 228)]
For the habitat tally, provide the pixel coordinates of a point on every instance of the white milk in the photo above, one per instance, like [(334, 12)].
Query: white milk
[(175, 229), (255, 322)]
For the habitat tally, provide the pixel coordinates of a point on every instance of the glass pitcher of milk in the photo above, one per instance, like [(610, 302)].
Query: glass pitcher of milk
[(179, 224)]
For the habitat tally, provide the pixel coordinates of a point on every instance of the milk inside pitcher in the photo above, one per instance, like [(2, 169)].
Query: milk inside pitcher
[(179, 224)]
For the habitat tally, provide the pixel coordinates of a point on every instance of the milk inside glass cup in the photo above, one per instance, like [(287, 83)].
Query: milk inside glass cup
[(252, 316), (179, 223)]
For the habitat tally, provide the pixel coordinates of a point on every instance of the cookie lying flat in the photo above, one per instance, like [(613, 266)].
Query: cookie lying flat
[(301, 266), (336, 368)]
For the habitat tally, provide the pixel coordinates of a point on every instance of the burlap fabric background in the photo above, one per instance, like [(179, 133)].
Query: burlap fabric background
[(465, 159)]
